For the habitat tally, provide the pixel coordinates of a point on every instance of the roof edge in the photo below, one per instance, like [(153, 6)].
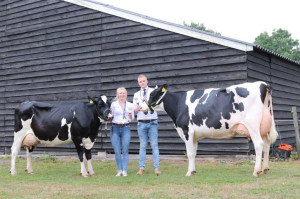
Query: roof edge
[(275, 54), (180, 29)]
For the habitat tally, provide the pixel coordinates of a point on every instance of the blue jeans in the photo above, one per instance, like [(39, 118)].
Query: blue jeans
[(120, 140), (150, 130)]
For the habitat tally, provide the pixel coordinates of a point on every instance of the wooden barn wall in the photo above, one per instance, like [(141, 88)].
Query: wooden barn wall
[(2, 82), (284, 78), (53, 51), (49, 52)]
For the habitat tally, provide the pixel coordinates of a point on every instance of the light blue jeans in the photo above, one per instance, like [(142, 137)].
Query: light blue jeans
[(120, 140), (150, 130)]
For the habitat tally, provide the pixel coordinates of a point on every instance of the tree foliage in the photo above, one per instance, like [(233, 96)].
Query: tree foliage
[(201, 27), (280, 42)]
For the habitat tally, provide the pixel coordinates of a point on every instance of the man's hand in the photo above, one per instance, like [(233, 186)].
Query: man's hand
[(137, 109)]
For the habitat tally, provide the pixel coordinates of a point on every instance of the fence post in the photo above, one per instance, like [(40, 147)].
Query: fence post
[(296, 126)]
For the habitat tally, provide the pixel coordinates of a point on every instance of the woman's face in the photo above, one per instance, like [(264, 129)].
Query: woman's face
[(122, 95)]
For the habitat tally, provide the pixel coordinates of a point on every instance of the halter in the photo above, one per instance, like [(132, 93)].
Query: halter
[(161, 97), (99, 115)]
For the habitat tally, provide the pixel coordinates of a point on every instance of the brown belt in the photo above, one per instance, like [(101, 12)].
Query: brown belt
[(120, 125), (147, 121)]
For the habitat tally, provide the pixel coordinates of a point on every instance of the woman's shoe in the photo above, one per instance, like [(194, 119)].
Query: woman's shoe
[(124, 173), (119, 173)]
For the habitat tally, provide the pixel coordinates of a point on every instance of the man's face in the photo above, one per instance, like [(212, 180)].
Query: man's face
[(143, 82)]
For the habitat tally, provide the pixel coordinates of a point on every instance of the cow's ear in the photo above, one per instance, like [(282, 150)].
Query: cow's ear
[(99, 100), (90, 100), (164, 88)]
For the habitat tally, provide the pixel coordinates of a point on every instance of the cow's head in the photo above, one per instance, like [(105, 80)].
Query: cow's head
[(156, 96), (102, 107)]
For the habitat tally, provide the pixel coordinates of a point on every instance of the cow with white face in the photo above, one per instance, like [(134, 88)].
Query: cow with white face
[(221, 113), (59, 124)]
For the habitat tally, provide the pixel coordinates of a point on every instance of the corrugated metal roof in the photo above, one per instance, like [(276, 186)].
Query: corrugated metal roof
[(276, 54), (181, 29)]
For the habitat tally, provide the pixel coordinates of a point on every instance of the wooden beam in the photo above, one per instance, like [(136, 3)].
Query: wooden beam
[(295, 118)]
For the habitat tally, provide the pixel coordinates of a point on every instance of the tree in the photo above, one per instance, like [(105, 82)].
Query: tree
[(280, 42), (200, 27)]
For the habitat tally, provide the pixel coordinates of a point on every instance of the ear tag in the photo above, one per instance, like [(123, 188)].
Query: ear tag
[(163, 90), (91, 102)]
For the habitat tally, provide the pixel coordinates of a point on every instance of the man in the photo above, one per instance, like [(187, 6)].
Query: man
[(147, 126)]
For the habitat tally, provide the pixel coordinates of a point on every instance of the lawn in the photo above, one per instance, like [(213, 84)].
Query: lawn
[(57, 178)]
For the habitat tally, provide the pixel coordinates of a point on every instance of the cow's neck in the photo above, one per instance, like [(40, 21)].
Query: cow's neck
[(171, 102), (97, 118)]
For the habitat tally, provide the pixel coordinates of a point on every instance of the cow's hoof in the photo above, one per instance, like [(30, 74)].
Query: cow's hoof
[(29, 171), (266, 170), (92, 173), (13, 173), (188, 173), (256, 174), (85, 174), (194, 172)]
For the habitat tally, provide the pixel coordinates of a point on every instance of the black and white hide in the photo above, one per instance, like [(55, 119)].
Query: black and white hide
[(58, 124), (221, 113)]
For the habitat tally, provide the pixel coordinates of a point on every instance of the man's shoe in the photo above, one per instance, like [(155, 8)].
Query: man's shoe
[(157, 172), (140, 172)]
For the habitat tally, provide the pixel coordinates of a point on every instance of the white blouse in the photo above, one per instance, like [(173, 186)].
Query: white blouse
[(119, 116)]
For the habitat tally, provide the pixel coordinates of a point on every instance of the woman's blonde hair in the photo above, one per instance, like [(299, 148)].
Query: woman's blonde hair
[(118, 91)]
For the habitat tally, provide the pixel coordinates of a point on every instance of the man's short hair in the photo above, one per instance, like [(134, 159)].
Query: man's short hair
[(140, 76)]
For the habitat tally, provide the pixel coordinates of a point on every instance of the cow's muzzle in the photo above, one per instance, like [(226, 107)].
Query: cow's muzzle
[(107, 114), (150, 106)]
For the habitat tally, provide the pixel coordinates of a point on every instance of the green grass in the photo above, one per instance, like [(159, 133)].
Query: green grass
[(56, 178)]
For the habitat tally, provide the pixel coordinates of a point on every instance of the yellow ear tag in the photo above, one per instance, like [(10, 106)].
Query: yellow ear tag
[(163, 89), (91, 102)]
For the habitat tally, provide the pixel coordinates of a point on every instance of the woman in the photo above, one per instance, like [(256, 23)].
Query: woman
[(122, 112)]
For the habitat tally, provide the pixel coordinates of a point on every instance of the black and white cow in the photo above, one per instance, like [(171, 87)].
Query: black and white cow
[(221, 113), (58, 124)]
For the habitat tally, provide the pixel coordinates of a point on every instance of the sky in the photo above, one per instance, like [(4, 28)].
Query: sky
[(237, 19)]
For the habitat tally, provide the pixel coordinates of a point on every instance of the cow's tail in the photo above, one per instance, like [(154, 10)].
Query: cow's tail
[(273, 132)]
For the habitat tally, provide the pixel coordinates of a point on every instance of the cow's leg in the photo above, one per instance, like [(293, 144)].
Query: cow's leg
[(80, 150), (88, 156), (18, 137), (29, 159), (267, 142), (191, 154), (258, 146), (195, 154)]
